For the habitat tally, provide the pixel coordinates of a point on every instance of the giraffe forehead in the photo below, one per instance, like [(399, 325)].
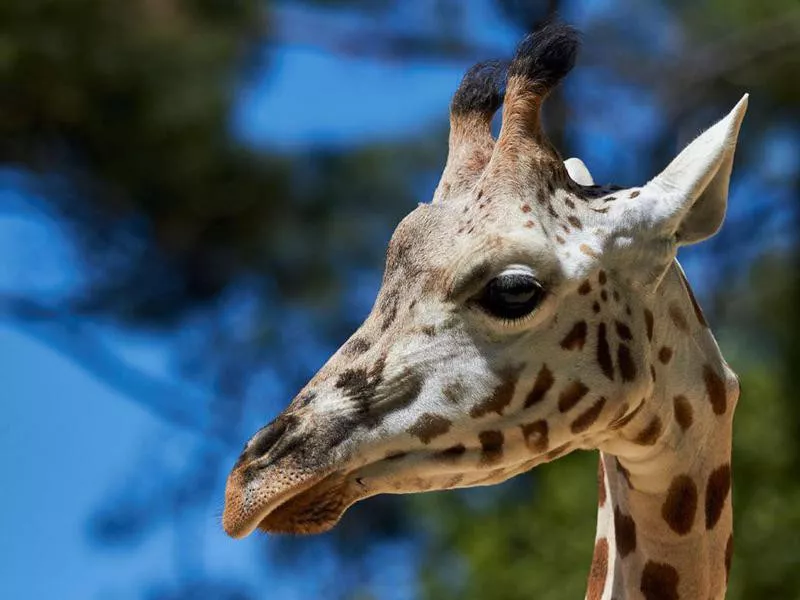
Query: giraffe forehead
[(417, 242), (438, 245)]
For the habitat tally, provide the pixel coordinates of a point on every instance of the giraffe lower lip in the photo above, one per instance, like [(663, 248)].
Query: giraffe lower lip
[(313, 510), (248, 503)]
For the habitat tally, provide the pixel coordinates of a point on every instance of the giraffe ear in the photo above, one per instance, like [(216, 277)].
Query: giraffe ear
[(691, 194), (578, 171)]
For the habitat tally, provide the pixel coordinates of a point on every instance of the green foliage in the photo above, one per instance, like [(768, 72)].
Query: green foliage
[(766, 443), (531, 537)]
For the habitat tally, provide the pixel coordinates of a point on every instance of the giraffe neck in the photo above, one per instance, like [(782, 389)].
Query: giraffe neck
[(664, 521)]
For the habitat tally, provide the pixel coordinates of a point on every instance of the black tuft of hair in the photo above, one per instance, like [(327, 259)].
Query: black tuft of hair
[(482, 88), (546, 55)]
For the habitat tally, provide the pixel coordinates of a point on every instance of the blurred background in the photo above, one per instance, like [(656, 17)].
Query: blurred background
[(195, 199)]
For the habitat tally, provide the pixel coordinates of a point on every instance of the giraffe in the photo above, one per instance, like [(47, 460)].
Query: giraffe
[(523, 314)]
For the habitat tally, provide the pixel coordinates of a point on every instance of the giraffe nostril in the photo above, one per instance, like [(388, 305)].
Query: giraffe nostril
[(267, 437)]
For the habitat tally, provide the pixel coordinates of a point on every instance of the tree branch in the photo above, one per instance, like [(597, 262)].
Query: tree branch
[(84, 348)]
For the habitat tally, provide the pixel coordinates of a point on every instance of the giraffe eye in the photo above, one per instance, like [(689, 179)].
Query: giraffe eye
[(512, 295)]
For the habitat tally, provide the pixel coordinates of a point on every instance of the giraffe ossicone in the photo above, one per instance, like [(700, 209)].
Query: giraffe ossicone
[(523, 314)]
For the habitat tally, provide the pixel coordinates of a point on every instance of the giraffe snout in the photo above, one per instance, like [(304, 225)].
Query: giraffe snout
[(290, 457)]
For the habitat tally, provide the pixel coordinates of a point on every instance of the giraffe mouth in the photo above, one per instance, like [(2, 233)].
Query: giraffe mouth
[(302, 505), (315, 504)]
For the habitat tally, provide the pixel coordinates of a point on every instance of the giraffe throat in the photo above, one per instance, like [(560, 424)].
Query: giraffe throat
[(664, 526)]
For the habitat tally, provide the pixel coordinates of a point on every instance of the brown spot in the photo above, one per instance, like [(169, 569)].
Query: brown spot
[(604, 296), (356, 346), (492, 445), (526, 208), (360, 385), (429, 426), (529, 224), (625, 473), (565, 228), (628, 310), (677, 316), (601, 483), (665, 354), (454, 392), (715, 388), (683, 411), (536, 435), (623, 331), (428, 330), (624, 533), (587, 418), (648, 321), (569, 203), (719, 485), (560, 240), (544, 381), (575, 222), (500, 398), (681, 505), (615, 293), (588, 251), (649, 435), (627, 367), (576, 338), (596, 307), (452, 452), (604, 352), (728, 557), (659, 580), (585, 288), (601, 277), (653, 373), (598, 571), (571, 395), (698, 312), (388, 308), (541, 196), (635, 194)]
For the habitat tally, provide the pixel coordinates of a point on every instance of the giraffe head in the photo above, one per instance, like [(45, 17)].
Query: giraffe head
[(512, 323)]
